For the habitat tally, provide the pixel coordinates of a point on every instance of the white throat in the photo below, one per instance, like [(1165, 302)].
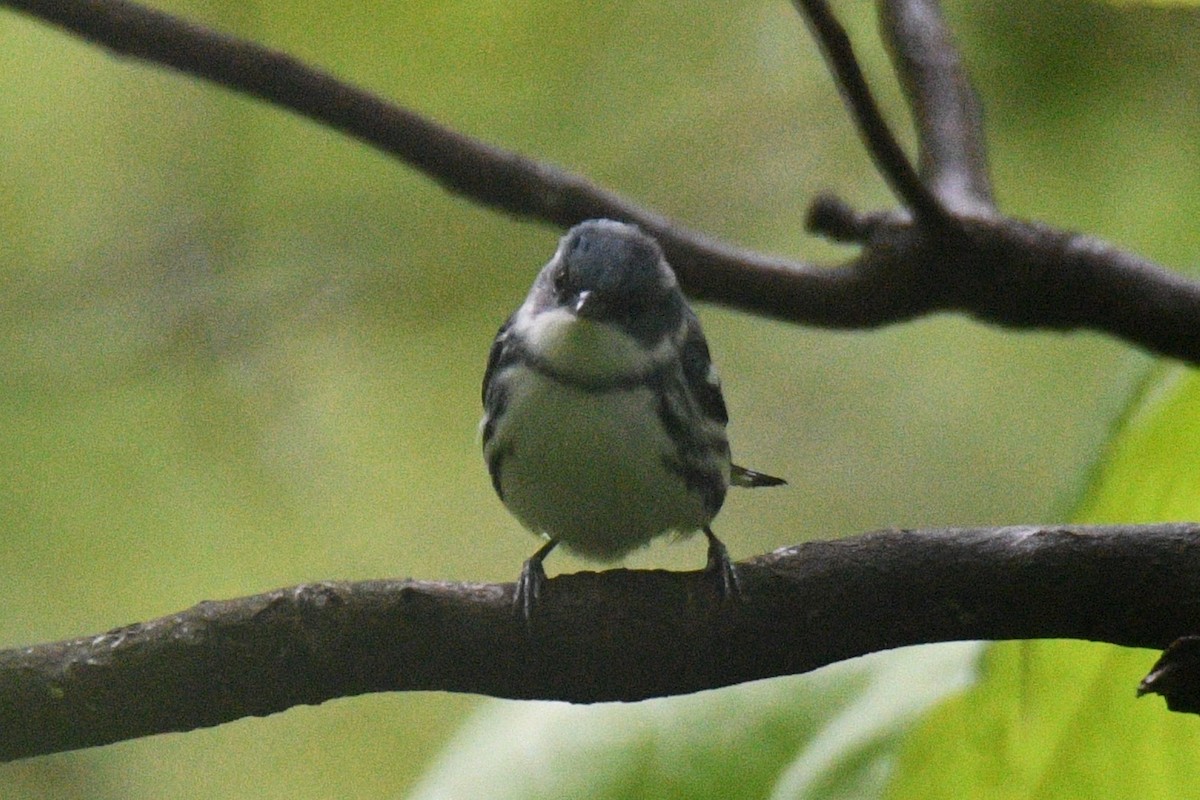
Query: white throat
[(584, 348)]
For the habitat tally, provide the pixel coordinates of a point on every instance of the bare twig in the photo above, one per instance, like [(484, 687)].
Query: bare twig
[(619, 635), (948, 115), (886, 151)]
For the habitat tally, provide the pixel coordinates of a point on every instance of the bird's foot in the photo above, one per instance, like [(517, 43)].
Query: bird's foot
[(531, 582), (720, 570)]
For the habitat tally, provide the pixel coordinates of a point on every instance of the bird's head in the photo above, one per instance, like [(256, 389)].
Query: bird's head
[(611, 273)]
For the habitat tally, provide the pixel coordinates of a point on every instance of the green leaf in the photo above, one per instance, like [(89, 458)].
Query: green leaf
[(1149, 474), (1060, 719), (830, 734)]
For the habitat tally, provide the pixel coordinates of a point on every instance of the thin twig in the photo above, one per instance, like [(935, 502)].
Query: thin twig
[(945, 107), (885, 150)]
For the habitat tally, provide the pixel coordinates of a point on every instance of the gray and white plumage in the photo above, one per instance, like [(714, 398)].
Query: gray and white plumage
[(604, 423)]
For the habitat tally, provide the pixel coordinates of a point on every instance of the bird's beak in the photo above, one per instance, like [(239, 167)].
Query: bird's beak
[(586, 304)]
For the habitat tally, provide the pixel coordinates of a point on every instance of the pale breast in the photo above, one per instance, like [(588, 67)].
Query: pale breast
[(588, 468)]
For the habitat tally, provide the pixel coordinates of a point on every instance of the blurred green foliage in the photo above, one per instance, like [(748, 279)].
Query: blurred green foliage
[(238, 351), (1058, 719), (831, 733)]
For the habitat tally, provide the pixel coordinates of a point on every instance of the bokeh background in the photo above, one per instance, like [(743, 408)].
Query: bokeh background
[(239, 351)]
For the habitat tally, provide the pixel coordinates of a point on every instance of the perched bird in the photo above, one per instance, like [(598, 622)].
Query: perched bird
[(604, 424)]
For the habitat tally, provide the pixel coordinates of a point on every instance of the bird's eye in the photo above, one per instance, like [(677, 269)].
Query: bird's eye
[(580, 245), (560, 279)]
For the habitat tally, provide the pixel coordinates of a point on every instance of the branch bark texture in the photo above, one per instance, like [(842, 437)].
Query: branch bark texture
[(618, 635)]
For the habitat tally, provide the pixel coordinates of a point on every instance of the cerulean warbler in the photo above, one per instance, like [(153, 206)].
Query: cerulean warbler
[(604, 424)]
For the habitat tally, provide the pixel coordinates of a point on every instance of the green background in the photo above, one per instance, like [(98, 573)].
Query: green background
[(239, 351)]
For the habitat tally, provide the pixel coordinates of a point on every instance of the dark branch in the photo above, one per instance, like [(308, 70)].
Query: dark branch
[(1000, 270), (619, 635), (947, 112), (484, 173), (487, 174), (887, 153)]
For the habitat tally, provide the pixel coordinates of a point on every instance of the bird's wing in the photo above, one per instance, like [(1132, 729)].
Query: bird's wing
[(494, 356), (748, 478), (699, 374)]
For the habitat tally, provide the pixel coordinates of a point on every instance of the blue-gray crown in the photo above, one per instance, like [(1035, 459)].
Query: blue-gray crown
[(612, 272), (611, 258)]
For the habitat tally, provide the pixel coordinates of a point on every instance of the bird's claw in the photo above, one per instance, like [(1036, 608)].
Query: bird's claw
[(721, 570), (529, 588), (531, 582)]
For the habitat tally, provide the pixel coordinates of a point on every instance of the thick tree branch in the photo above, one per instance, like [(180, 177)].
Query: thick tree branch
[(1001, 270), (1022, 275), (618, 635)]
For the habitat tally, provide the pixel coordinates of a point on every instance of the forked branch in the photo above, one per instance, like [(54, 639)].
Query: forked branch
[(946, 250)]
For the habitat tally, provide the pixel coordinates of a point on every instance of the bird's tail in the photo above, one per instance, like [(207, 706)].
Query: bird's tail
[(748, 478)]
